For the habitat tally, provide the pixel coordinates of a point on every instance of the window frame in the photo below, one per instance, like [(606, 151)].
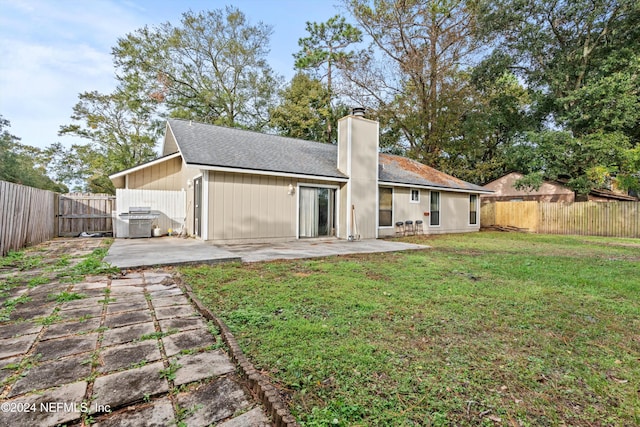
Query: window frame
[(475, 205), (439, 211), (391, 225), (411, 193)]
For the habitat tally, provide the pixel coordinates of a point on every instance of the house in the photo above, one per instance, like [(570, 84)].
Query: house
[(504, 190), (247, 186)]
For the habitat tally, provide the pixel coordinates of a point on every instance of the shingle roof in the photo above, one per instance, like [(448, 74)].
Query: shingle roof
[(210, 145), (401, 170), (217, 146)]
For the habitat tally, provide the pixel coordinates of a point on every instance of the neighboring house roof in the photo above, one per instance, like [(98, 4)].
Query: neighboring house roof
[(401, 170), (210, 145), (504, 187)]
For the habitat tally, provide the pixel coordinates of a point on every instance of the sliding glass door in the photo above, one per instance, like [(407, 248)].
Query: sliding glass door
[(316, 214)]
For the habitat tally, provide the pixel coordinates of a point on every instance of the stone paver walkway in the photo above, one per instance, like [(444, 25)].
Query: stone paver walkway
[(129, 351)]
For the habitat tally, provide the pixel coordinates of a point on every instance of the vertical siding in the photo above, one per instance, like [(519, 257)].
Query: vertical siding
[(244, 207), (404, 209), (170, 204), (166, 175), (364, 175), (454, 214), (250, 207)]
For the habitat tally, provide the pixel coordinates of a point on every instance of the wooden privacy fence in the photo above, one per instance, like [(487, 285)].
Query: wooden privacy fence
[(614, 219), (85, 212), (27, 216)]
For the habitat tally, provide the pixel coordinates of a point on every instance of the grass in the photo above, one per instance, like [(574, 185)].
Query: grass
[(65, 296), (482, 329)]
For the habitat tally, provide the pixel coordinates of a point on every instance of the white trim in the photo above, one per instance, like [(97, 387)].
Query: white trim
[(164, 140), (144, 166), (434, 188), (193, 179), (411, 195), (204, 227), (477, 211), (336, 213), (348, 186), (377, 234), (268, 173)]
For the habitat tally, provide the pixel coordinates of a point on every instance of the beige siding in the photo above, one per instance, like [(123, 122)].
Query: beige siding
[(162, 176), (244, 207), (454, 215), (404, 209), (360, 136), (454, 212)]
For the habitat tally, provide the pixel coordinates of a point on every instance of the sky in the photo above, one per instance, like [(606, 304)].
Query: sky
[(53, 50)]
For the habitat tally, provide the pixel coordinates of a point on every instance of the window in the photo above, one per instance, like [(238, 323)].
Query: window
[(385, 215), (415, 196), (473, 209), (434, 215)]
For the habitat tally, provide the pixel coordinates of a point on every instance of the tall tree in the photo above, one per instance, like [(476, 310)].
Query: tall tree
[(325, 47), (304, 112), (580, 60), (212, 67), (22, 164), (123, 133), (414, 72)]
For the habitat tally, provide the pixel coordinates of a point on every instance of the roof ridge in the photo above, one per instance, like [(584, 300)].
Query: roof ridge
[(255, 132)]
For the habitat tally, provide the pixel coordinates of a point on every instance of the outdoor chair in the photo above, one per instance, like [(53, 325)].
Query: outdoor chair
[(418, 228), (408, 227), (399, 228)]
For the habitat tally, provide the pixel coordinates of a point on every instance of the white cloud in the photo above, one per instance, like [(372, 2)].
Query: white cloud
[(52, 51)]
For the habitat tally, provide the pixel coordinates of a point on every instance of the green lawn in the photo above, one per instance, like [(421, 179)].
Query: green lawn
[(482, 329)]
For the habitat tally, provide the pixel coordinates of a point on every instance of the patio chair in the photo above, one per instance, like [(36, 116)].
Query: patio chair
[(399, 228), (419, 229), (408, 227)]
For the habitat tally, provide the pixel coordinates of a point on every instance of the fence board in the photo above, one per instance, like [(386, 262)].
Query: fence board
[(613, 219), (85, 212), (170, 205), (26, 216)]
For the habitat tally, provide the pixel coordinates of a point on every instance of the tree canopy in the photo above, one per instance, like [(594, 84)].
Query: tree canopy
[(23, 164), (211, 67), (325, 46), (476, 88)]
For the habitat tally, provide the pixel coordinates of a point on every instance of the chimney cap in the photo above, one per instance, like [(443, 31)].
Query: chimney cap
[(358, 111)]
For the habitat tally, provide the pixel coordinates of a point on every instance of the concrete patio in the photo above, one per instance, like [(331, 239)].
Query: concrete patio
[(159, 251)]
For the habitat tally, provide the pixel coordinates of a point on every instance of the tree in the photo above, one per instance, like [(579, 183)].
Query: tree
[(22, 164), (324, 47), (583, 162), (211, 68), (580, 61), (414, 73), (303, 110), (123, 133), (495, 120)]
